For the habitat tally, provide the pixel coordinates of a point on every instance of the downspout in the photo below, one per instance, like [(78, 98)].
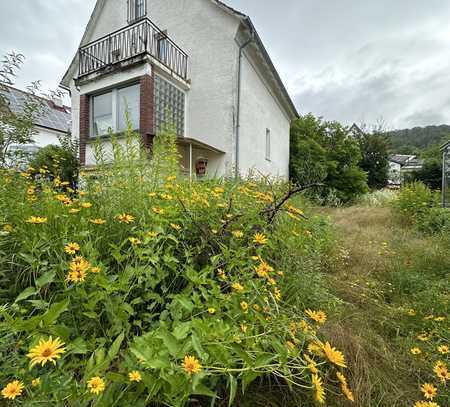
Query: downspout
[(238, 108)]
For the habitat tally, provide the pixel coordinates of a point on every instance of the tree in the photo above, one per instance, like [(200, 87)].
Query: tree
[(375, 158), (16, 127), (323, 151)]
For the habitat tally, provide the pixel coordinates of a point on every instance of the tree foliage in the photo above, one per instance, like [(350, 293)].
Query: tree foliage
[(323, 151), (375, 158)]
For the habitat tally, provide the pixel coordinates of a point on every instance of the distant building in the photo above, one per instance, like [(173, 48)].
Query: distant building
[(400, 165), (56, 120)]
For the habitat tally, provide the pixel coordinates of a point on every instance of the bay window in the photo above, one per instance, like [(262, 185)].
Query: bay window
[(109, 110)]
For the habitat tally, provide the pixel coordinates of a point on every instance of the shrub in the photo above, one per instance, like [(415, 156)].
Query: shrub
[(164, 291), (379, 198), (414, 201), (436, 220)]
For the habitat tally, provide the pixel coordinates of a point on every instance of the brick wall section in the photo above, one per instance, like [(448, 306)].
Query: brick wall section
[(146, 124), (84, 126)]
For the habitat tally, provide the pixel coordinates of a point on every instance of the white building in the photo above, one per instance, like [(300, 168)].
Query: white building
[(54, 122), (400, 166), (197, 63)]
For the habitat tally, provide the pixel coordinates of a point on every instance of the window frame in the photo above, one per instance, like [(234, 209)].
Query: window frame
[(132, 7), (114, 109), (268, 144)]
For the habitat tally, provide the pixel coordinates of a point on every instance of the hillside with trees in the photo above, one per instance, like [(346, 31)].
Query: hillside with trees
[(418, 139)]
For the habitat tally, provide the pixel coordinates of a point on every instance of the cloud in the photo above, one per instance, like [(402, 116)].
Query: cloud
[(348, 60)]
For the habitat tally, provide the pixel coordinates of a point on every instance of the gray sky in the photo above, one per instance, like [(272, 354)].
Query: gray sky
[(348, 60)]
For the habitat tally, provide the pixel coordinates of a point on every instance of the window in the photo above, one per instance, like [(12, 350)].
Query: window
[(109, 110), (169, 106), (137, 9), (268, 144)]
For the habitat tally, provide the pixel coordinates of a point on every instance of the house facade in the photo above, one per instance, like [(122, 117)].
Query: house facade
[(54, 122), (400, 165), (197, 64)]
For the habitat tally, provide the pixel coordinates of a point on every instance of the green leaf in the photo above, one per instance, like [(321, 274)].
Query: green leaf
[(54, 312), (78, 346), (233, 387), (115, 347), (45, 279), (28, 292), (170, 342), (198, 347)]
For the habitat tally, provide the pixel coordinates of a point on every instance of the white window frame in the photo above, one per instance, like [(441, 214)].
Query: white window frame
[(133, 10), (114, 110), (268, 144)]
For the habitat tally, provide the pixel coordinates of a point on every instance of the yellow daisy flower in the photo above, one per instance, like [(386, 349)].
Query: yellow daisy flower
[(237, 287), (36, 382), (175, 227), (36, 220), (429, 391), (13, 390), (319, 390), (415, 351), (96, 385), (443, 349), (46, 351), (211, 311), (191, 365), (318, 316), (259, 238), (72, 248), (97, 221), (135, 376), (238, 234), (125, 218), (334, 356)]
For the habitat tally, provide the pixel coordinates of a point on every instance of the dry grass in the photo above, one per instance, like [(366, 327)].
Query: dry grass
[(371, 246)]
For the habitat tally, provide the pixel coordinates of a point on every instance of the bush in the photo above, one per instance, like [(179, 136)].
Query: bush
[(164, 291), (379, 198), (436, 220), (415, 201)]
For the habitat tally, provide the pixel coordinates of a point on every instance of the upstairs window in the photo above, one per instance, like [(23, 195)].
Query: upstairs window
[(137, 9)]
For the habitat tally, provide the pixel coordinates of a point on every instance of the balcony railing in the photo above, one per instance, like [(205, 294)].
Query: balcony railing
[(139, 39)]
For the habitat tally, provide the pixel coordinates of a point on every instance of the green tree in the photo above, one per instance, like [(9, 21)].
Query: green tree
[(323, 151), (375, 158), (16, 128)]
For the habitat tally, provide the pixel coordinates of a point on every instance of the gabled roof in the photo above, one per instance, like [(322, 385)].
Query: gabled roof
[(446, 145), (401, 159), (55, 117), (243, 17)]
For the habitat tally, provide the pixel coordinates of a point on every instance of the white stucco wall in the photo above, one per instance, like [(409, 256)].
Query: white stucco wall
[(259, 112), (207, 34), (44, 137)]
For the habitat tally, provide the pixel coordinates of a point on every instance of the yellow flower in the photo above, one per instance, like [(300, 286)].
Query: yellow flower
[(158, 211), (72, 248), (134, 241), (12, 390), (211, 311), (152, 235), (347, 393), (191, 365), (441, 371), (96, 270), (312, 365), (243, 328), (439, 319), (237, 287), (424, 337), (415, 351), (238, 234), (46, 351), (166, 197), (411, 312), (97, 221), (425, 404), (334, 356), (152, 194), (96, 385), (73, 211), (8, 228), (277, 294), (135, 376), (36, 220), (244, 306), (125, 218), (443, 349), (175, 227), (318, 316), (259, 238), (319, 394), (316, 348), (78, 269), (429, 391), (86, 205), (36, 382), (263, 269), (221, 274)]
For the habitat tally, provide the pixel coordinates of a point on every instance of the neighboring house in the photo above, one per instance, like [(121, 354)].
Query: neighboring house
[(400, 165), (54, 122), (355, 131), (197, 63)]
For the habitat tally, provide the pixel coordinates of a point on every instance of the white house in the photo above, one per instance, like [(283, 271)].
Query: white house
[(55, 120), (400, 165), (197, 63)]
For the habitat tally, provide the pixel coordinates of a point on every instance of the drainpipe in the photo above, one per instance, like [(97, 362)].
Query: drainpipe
[(238, 113)]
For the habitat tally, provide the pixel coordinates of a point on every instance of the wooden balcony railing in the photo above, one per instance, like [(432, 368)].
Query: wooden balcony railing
[(138, 39)]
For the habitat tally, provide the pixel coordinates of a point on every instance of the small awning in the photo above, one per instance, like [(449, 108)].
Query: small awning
[(185, 141)]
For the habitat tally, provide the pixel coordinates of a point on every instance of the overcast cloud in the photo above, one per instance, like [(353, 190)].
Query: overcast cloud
[(348, 60)]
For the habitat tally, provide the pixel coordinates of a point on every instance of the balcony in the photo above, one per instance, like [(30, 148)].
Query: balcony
[(129, 44)]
